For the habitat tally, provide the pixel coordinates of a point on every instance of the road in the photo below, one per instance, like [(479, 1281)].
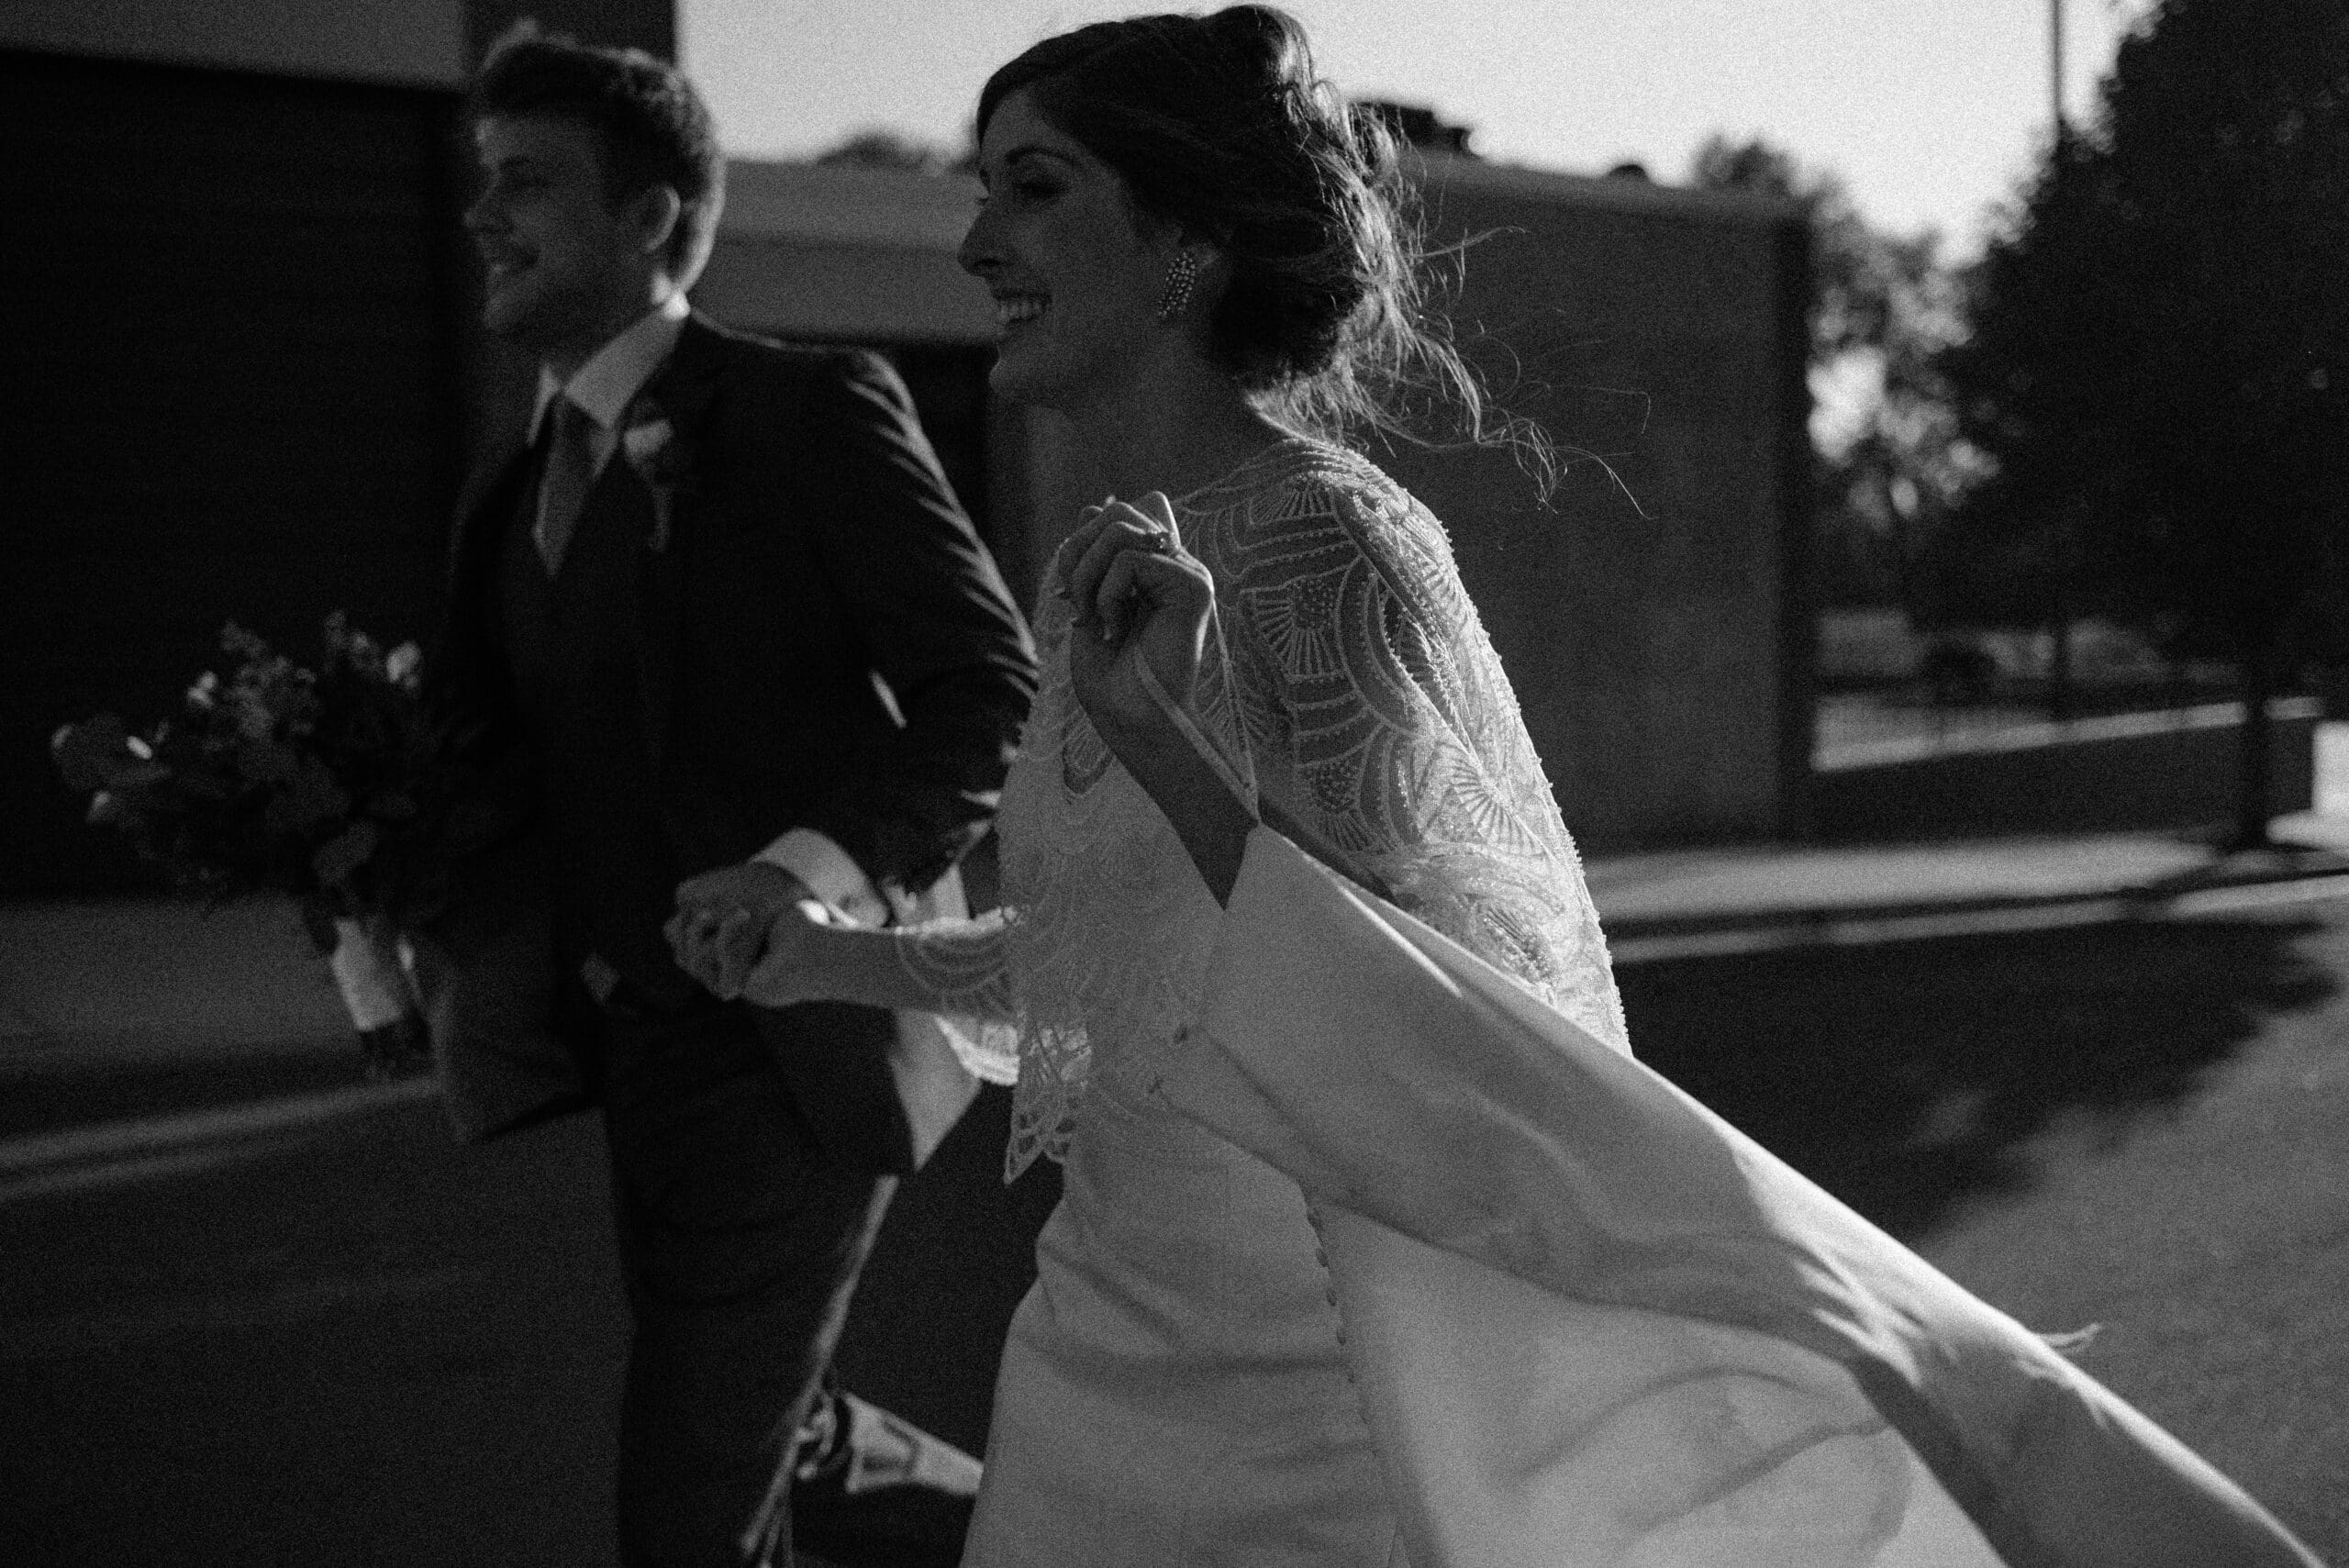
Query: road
[(354, 1344), (359, 1345), (2142, 1127)]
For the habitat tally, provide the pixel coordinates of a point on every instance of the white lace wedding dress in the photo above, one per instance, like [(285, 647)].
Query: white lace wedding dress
[(1174, 1389)]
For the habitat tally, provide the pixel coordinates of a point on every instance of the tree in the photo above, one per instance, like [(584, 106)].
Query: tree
[(884, 148), (2160, 352), (1884, 307)]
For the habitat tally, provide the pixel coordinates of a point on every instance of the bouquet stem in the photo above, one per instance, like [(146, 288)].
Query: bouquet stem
[(372, 969)]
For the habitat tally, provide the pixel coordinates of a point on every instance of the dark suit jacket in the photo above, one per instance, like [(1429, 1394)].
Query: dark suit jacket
[(823, 642)]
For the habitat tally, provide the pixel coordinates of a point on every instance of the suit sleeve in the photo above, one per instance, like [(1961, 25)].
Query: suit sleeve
[(461, 674), (936, 621)]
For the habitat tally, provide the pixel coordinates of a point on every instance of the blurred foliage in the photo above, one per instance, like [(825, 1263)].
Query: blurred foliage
[(2161, 351), (2160, 356), (884, 148), (1885, 308)]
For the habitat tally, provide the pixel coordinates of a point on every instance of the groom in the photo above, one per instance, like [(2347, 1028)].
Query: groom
[(718, 604)]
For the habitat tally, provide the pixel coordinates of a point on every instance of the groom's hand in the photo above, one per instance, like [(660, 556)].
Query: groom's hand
[(720, 927)]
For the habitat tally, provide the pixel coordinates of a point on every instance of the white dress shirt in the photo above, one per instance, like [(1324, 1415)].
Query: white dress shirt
[(614, 374)]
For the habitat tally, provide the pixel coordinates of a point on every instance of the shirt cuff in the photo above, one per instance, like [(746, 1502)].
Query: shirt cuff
[(829, 874)]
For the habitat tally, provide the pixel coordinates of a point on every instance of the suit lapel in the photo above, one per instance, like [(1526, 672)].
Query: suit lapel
[(683, 392)]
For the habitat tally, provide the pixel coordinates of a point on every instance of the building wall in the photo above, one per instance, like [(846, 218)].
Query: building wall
[(822, 254), (409, 42), (241, 344), (248, 382), (420, 43), (1649, 614), (233, 391), (1650, 618)]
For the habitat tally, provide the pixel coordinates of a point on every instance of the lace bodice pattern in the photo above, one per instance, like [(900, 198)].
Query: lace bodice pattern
[(1351, 681)]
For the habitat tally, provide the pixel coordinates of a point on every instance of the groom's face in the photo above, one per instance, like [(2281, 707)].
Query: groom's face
[(564, 266)]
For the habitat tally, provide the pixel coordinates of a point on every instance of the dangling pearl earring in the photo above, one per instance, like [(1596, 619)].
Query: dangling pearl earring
[(1182, 272)]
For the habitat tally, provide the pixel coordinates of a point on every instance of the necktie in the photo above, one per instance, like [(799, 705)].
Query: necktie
[(564, 481)]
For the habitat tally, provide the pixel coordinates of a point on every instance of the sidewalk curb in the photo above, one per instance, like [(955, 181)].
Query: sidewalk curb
[(92, 1151), (108, 1151), (1663, 939), (39, 1052)]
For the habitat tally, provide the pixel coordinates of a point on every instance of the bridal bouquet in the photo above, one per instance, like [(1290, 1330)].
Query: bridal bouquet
[(335, 785)]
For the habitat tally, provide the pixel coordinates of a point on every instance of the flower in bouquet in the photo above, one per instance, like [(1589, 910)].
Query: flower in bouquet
[(337, 786)]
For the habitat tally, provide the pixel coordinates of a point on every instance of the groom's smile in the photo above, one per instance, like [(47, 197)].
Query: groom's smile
[(564, 269)]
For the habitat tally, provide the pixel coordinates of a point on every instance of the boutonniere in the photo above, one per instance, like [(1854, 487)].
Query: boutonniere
[(652, 448)]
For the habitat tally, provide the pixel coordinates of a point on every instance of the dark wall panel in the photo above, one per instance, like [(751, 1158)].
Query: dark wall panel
[(1645, 612), (1639, 615), (232, 391), (649, 24)]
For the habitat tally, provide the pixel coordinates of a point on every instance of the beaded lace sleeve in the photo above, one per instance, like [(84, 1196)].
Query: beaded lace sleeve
[(1104, 927), (1348, 681), (1379, 716)]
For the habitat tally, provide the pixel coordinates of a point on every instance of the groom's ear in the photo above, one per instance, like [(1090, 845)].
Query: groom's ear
[(655, 214)]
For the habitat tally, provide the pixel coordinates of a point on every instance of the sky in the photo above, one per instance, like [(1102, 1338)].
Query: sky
[(1930, 110)]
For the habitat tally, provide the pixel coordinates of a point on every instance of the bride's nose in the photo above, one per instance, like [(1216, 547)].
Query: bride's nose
[(979, 253)]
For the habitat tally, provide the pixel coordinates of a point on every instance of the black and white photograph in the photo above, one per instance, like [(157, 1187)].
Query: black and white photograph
[(1029, 784)]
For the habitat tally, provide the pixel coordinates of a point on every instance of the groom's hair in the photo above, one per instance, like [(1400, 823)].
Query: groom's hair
[(652, 126)]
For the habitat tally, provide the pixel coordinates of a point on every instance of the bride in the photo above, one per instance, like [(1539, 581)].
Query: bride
[(1198, 259), (1197, 254)]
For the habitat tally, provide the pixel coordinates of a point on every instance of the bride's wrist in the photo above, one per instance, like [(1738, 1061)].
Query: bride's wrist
[(1150, 749), (1147, 732), (1180, 741)]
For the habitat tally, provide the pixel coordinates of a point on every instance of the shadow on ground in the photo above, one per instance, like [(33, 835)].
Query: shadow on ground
[(1905, 1078), (360, 1344), (954, 1257)]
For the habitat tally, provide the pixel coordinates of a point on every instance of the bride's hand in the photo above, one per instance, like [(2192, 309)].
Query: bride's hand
[(1138, 599), (790, 966)]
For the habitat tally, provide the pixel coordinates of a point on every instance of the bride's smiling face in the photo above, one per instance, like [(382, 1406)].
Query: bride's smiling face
[(1060, 243)]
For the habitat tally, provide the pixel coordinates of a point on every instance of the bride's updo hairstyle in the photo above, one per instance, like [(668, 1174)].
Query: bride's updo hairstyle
[(1220, 123)]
